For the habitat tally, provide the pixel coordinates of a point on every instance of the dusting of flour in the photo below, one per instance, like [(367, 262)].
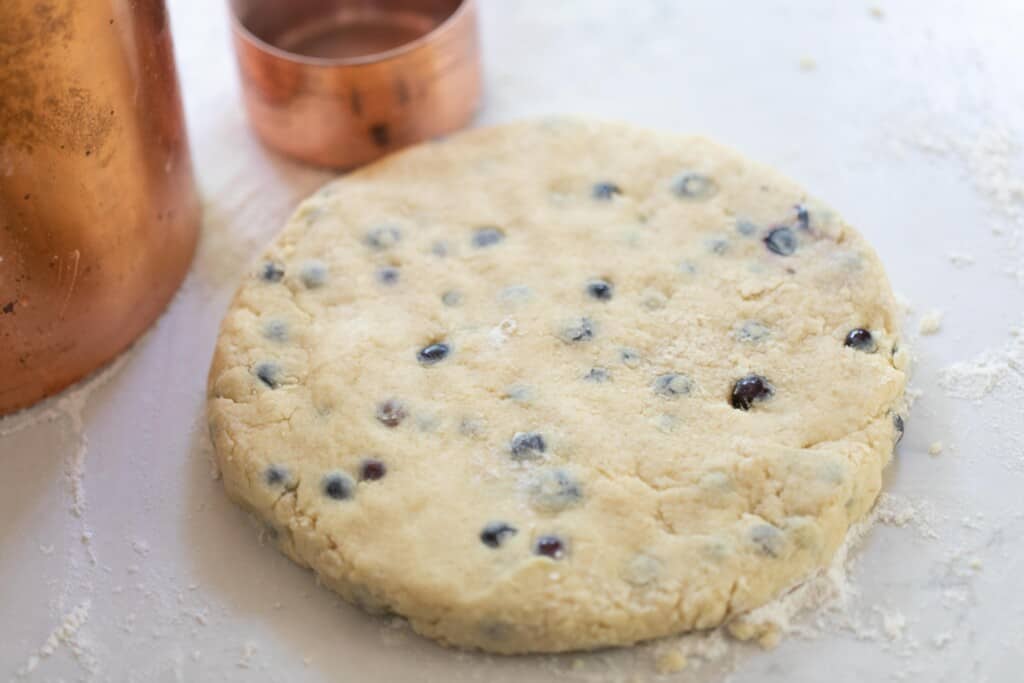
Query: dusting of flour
[(989, 370)]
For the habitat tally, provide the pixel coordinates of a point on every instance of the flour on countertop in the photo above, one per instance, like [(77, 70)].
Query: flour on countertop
[(65, 634), (829, 592), (977, 378), (993, 162)]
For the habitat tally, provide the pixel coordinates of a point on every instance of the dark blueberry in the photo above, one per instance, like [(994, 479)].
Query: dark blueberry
[(803, 217), (388, 275), (673, 384), (372, 470), (605, 190), (276, 330), (433, 353), (486, 237), (745, 227), (275, 475), (750, 390), (861, 340), (380, 133), (781, 241), (272, 272), (553, 490), (597, 375), (313, 274), (600, 289), (495, 533), (337, 486), (550, 546), (897, 423), (451, 298), (269, 374), (527, 445), (391, 412), (767, 539), (694, 186), (580, 330), (718, 246), (383, 237)]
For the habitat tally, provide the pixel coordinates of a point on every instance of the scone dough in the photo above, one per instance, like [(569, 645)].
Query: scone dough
[(559, 385)]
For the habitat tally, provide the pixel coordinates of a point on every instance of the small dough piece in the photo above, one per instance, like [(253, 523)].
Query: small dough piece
[(931, 322), (559, 385)]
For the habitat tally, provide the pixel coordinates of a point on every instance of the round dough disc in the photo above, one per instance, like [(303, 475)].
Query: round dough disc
[(560, 385)]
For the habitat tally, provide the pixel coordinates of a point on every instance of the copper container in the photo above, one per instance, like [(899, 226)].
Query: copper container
[(342, 82), (98, 210)]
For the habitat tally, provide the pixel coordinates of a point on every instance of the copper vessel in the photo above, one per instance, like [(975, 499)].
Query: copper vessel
[(98, 210), (342, 82)]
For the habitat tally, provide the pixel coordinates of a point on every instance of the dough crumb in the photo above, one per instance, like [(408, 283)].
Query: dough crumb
[(808, 64), (876, 12), (960, 259), (935, 448), (765, 628), (894, 623), (670, 662), (248, 651), (931, 322)]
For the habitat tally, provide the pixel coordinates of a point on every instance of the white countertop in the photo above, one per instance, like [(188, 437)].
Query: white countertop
[(904, 122)]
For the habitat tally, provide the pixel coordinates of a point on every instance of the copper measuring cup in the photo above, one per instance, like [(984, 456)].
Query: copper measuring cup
[(98, 210), (342, 82)]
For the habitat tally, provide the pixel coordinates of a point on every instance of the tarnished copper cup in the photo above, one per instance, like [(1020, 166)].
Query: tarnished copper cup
[(342, 82), (98, 209)]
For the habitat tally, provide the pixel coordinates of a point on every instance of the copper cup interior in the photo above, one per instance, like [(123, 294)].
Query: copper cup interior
[(341, 30)]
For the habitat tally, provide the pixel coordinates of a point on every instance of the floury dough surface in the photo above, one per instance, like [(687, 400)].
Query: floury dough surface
[(494, 385)]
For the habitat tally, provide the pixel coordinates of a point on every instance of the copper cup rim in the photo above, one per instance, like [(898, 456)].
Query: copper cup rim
[(372, 58)]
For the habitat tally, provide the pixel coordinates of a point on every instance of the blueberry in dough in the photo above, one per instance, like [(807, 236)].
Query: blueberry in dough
[(750, 390)]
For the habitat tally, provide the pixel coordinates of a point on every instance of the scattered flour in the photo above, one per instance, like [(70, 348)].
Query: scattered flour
[(829, 593), (993, 162), (500, 334), (931, 322), (977, 378), (66, 634)]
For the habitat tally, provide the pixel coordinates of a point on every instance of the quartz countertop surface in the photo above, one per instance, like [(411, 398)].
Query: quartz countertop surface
[(122, 560)]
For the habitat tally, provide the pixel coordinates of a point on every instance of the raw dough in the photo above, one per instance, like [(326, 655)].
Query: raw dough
[(559, 385)]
